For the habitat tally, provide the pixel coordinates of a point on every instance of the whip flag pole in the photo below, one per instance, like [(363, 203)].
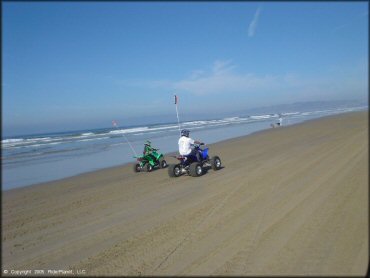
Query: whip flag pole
[(114, 123), (177, 112)]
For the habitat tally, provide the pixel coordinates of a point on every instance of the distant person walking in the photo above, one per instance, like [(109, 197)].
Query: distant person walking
[(279, 123)]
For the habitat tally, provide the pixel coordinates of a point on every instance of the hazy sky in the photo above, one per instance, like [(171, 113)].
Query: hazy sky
[(80, 65)]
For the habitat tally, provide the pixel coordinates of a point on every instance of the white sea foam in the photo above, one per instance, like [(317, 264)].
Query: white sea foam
[(261, 117), (54, 143), (40, 139), (87, 134), (130, 130), (290, 113), (232, 119), (6, 141), (92, 139)]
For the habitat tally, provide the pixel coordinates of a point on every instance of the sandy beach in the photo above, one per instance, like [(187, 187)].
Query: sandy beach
[(288, 201)]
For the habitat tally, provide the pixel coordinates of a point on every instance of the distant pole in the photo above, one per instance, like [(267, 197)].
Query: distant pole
[(177, 113), (128, 142)]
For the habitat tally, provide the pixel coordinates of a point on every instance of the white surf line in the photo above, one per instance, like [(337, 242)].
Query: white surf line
[(212, 211)]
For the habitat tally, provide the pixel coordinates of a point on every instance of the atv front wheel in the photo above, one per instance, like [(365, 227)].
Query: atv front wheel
[(137, 167), (174, 170), (149, 167), (195, 169), (215, 163), (162, 163)]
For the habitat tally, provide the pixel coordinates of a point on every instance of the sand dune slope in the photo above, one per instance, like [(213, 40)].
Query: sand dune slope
[(289, 201)]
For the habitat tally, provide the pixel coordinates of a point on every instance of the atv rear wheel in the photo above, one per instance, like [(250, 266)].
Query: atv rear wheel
[(174, 170), (215, 163), (149, 167), (195, 169), (162, 163), (137, 167)]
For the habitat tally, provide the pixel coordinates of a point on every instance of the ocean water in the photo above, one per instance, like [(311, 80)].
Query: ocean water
[(32, 159)]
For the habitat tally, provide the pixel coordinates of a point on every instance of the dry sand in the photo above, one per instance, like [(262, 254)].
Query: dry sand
[(289, 201)]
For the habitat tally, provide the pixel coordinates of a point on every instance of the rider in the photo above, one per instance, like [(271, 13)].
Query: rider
[(185, 145), (148, 150)]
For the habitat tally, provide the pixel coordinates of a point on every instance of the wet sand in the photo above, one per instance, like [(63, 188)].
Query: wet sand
[(289, 201)]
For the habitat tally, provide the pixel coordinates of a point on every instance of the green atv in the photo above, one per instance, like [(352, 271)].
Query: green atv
[(149, 160)]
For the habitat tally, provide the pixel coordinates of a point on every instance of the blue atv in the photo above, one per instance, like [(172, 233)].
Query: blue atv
[(194, 166)]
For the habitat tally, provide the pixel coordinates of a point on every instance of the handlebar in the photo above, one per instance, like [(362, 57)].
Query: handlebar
[(198, 145)]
